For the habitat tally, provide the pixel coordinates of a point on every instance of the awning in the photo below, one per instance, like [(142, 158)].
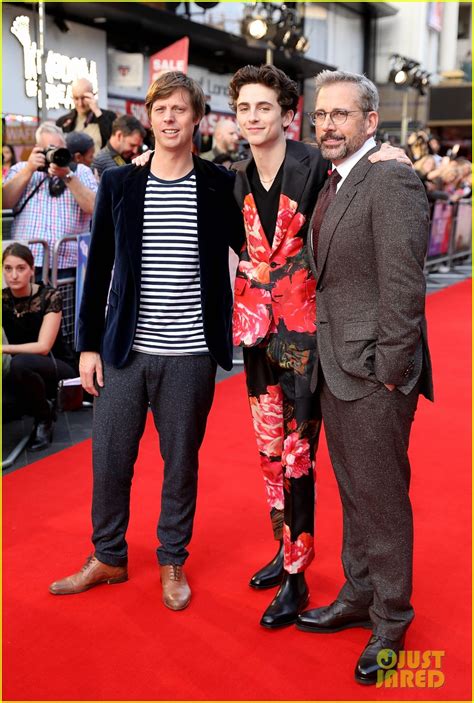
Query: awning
[(138, 27)]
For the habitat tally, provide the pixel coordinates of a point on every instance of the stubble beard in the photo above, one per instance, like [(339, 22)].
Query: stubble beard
[(345, 149)]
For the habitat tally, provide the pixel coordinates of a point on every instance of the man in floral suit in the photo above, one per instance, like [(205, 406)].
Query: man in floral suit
[(274, 320)]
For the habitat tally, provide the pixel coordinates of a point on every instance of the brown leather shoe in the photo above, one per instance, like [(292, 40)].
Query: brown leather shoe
[(176, 591), (93, 573)]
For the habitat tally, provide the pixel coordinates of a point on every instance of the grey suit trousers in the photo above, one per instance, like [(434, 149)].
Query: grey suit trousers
[(368, 442), (180, 390)]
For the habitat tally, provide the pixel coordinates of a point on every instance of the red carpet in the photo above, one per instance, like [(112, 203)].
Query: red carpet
[(119, 643)]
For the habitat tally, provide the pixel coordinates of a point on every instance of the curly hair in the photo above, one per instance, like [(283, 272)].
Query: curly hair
[(270, 76)]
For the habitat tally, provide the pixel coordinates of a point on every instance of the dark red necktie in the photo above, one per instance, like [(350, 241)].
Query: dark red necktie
[(325, 199)]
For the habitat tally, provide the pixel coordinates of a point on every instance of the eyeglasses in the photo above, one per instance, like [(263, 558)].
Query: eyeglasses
[(337, 117)]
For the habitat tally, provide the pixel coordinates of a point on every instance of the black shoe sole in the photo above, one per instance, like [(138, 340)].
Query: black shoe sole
[(365, 682), (287, 623), (40, 448), (269, 584), (366, 624)]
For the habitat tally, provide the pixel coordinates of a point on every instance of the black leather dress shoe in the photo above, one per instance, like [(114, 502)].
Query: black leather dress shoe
[(291, 598), (333, 618), (42, 437), (379, 656), (271, 574)]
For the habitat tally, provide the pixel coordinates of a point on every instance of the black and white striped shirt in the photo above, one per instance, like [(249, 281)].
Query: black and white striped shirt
[(170, 314)]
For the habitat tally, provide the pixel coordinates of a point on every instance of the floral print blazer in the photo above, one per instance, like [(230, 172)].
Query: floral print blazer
[(275, 291)]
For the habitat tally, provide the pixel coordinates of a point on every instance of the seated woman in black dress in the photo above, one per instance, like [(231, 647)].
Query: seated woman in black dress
[(32, 323)]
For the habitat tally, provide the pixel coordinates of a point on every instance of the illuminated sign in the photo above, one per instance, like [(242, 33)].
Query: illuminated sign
[(60, 71)]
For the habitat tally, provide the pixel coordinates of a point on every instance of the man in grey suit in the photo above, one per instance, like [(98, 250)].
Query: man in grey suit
[(368, 243)]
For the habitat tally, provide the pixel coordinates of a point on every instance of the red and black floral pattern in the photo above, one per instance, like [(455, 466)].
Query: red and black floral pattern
[(274, 288), (275, 322)]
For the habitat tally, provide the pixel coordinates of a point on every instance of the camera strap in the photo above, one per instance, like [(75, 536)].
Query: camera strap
[(72, 166), (33, 192)]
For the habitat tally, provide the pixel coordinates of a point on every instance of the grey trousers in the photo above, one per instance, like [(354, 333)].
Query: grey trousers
[(368, 442), (180, 390)]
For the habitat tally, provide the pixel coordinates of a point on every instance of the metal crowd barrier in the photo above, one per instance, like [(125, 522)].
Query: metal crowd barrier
[(450, 234), (45, 245), (67, 287)]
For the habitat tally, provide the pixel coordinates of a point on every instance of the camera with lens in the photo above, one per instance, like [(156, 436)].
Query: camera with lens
[(58, 155)]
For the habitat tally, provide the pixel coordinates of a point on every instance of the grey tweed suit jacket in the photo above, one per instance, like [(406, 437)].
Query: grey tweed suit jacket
[(370, 295)]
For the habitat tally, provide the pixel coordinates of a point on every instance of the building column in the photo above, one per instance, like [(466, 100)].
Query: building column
[(449, 37)]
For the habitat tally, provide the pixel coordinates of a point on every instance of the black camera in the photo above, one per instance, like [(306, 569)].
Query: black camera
[(58, 155)]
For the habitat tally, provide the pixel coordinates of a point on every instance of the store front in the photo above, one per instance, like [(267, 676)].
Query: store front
[(81, 51), (112, 44)]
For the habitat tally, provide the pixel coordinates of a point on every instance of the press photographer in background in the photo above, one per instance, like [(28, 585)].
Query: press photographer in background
[(40, 357), (51, 197)]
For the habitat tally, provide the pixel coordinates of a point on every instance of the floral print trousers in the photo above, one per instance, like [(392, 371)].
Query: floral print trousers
[(287, 422)]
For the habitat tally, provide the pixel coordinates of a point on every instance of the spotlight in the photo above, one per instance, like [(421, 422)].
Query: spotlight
[(295, 41), (401, 77), (405, 72), (257, 28), (421, 81), (275, 24)]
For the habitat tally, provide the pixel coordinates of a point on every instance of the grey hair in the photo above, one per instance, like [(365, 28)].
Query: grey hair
[(49, 128), (368, 93)]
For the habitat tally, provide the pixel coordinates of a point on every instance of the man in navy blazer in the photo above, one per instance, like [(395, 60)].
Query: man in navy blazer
[(155, 321)]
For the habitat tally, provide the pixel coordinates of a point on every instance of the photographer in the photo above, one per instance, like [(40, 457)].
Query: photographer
[(49, 200)]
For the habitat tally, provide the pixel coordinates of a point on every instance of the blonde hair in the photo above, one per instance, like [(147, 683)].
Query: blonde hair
[(168, 83)]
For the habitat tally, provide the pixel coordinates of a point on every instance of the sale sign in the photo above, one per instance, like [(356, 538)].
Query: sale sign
[(173, 58)]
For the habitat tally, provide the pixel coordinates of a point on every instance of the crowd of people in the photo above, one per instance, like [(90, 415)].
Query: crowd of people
[(448, 180), (329, 334)]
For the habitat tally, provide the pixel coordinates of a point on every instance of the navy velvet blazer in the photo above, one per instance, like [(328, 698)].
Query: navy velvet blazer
[(116, 243)]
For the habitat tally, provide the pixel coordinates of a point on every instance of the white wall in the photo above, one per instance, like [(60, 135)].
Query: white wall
[(405, 33), (336, 37), (345, 40)]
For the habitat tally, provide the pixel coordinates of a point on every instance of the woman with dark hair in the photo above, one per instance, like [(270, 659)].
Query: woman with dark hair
[(8, 159), (32, 323)]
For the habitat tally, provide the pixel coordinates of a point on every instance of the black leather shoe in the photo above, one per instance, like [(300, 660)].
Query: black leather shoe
[(333, 618), (379, 656), (43, 436), (271, 574), (290, 599)]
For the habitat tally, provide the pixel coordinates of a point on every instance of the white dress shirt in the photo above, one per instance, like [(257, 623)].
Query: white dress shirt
[(348, 164)]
